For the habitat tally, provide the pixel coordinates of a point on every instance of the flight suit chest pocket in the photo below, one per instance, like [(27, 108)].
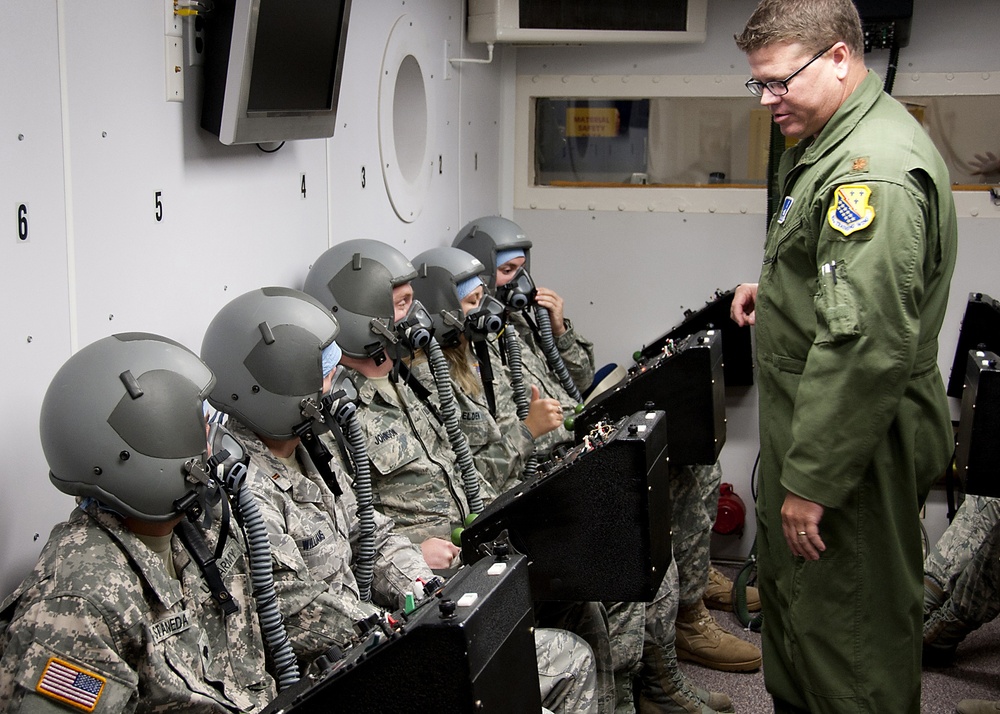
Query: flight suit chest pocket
[(390, 450), (836, 305), (779, 235)]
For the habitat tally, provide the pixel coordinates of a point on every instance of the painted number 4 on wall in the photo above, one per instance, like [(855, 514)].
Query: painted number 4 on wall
[(22, 223)]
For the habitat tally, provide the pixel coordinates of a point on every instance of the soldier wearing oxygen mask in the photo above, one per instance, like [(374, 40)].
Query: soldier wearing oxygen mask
[(335, 559), (417, 478), (137, 602)]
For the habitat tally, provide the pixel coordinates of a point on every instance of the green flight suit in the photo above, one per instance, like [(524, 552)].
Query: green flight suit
[(853, 413)]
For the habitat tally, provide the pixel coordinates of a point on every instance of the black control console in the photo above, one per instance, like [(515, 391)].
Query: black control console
[(737, 350), (684, 379), (595, 522), (467, 647), (977, 454)]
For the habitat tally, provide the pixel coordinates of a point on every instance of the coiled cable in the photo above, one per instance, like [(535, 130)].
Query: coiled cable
[(364, 568), (460, 444), (522, 401), (262, 578), (552, 356)]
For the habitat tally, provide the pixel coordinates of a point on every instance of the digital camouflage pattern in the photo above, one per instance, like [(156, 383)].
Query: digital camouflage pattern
[(100, 601), (416, 481), (564, 657), (312, 535), (415, 474), (499, 449), (974, 600), (694, 498), (973, 521), (535, 371), (576, 350)]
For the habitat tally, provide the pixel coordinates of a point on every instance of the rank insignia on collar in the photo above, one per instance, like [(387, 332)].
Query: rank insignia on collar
[(850, 211), (859, 164)]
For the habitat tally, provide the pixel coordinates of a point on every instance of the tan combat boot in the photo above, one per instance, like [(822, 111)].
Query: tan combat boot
[(702, 640), (664, 689), (719, 593)]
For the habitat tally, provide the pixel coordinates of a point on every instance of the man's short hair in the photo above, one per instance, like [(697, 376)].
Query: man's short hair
[(814, 24)]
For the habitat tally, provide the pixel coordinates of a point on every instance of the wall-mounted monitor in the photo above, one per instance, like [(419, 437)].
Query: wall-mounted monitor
[(273, 69), (586, 21)]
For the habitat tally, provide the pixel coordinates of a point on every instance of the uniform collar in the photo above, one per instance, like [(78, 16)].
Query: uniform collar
[(843, 121)]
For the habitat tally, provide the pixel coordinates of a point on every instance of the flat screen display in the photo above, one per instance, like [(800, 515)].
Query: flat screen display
[(295, 56)]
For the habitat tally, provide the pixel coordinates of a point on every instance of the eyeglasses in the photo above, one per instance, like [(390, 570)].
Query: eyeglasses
[(779, 87)]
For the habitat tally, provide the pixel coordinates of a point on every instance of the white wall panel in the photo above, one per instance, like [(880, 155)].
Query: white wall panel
[(35, 286)]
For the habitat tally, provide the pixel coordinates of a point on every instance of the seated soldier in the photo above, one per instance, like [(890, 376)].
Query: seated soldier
[(367, 286), (116, 616), (274, 352), (503, 248), (449, 287)]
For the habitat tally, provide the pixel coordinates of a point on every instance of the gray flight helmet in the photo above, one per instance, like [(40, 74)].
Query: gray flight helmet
[(439, 271), (489, 235), (354, 280), (266, 349), (123, 421)]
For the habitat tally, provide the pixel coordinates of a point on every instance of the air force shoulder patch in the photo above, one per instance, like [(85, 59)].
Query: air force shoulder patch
[(850, 211)]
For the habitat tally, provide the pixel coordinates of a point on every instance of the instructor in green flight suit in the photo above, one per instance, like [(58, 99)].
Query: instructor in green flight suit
[(854, 422)]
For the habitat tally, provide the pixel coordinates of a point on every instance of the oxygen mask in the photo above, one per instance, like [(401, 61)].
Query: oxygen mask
[(519, 292)]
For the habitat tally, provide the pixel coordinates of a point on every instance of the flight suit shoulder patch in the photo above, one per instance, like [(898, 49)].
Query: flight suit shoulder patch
[(850, 211)]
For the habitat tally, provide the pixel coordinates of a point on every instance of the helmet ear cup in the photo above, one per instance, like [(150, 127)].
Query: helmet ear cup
[(122, 421), (489, 235), (354, 280)]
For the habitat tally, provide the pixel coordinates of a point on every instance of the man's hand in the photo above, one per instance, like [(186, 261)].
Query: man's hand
[(438, 553), (744, 307), (554, 304), (800, 523)]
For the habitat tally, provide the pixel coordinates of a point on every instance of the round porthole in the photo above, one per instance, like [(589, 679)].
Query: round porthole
[(404, 119)]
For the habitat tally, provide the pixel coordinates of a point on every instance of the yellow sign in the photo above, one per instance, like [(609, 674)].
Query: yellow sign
[(592, 121)]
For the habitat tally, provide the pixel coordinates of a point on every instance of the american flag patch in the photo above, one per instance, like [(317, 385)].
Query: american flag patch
[(68, 683)]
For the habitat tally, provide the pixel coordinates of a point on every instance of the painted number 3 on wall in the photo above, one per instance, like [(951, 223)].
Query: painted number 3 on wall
[(22, 222)]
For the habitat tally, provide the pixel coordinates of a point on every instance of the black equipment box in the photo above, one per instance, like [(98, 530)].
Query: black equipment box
[(980, 331), (594, 523), (469, 648), (977, 455), (685, 380), (737, 350)]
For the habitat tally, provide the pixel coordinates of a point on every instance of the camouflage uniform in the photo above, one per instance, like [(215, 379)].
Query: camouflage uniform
[(312, 535), (416, 477), (500, 446), (100, 606), (973, 521), (576, 350), (694, 496), (536, 371), (974, 600), (416, 482)]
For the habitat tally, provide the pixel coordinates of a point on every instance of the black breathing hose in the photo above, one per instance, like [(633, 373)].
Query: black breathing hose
[(364, 567), (552, 355), (522, 400), (449, 413), (261, 576)]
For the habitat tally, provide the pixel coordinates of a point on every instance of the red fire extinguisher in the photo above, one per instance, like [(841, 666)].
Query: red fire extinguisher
[(732, 513)]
